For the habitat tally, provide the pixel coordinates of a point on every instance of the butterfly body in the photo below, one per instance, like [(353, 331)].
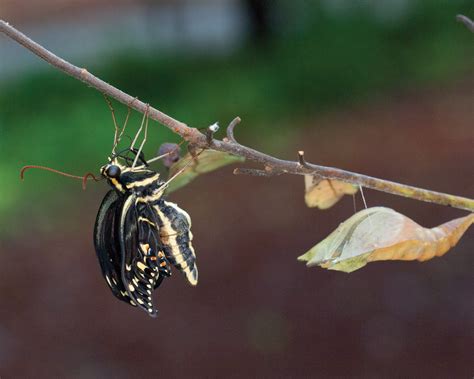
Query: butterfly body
[(138, 234)]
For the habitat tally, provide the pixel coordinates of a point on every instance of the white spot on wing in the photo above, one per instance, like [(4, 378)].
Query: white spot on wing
[(141, 266)]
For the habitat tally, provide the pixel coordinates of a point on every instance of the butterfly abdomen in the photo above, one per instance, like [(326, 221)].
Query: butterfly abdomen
[(176, 237)]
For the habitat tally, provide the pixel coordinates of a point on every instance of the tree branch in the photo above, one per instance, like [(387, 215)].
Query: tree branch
[(272, 166)]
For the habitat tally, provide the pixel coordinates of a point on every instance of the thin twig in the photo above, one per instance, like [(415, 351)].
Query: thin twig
[(193, 136), (230, 129), (466, 21)]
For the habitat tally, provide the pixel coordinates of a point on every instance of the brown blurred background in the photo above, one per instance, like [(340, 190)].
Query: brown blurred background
[(383, 88)]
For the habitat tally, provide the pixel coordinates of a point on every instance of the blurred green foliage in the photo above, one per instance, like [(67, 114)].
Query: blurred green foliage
[(313, 63)]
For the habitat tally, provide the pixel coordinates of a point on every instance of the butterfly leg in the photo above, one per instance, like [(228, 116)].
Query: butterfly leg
[(163, 266), (144, 122), (118, 131)]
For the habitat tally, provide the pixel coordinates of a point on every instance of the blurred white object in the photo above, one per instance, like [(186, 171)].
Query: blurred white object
[(88, 34)]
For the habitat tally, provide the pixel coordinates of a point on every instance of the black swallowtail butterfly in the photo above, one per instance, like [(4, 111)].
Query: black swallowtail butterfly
[(138, 233)]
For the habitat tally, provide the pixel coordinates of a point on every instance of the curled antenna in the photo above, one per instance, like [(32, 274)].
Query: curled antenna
[(84, 178)]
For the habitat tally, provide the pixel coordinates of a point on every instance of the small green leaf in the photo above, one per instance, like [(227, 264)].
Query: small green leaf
[(207, 161)]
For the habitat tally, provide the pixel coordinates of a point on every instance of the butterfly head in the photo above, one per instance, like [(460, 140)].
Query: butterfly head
[(113, 172), (124, 178)]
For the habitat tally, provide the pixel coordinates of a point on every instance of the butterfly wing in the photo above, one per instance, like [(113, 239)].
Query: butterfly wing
[(107, 244), (140, 247), (176, 237)]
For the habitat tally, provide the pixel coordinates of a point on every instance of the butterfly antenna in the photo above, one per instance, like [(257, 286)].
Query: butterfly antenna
[(84, 178)]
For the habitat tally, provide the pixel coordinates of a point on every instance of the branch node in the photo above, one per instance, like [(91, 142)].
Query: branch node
[(193, 149), (230, 129), (133, 100)]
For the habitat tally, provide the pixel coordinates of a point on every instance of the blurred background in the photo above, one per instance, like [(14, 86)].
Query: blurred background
[(379, 87)]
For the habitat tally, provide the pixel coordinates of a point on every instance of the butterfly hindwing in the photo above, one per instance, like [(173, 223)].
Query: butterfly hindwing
[(139, 242)]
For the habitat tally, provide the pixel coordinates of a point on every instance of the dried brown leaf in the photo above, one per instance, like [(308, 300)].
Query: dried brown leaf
[(379, 234), (324, 193)]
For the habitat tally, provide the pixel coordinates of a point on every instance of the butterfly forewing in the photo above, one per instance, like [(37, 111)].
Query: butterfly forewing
[(107, 245)]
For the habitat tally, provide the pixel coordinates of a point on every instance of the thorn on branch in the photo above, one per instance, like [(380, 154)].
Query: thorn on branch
[(211, 129), (466, 21), (301, 159), (230, 129)]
